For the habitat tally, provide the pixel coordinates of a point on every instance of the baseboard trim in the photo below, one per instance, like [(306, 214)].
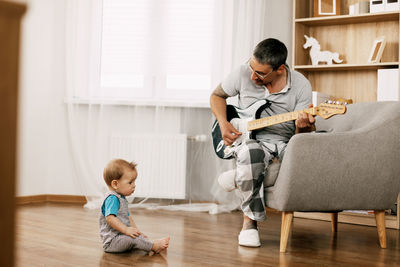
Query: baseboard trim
[(50, 199), (23, 200)]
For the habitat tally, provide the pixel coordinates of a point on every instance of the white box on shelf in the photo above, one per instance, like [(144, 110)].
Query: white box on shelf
[(359, 8), (352, 10), (363, 7), (388, 85), (392, 5), (318, 98), (377, 6)]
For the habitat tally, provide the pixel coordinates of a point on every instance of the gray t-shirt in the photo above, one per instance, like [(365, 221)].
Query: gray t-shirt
[(296, 95)]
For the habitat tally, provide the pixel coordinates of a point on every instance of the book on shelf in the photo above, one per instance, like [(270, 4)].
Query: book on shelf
[(393, 209), (367, 212), (388, 85), (318, 98), (360, 211)]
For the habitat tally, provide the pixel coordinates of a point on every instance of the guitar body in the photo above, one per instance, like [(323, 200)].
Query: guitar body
[(238, 118)]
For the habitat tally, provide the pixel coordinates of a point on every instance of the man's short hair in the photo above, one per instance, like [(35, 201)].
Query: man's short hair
[(271, 51), (116, 168)]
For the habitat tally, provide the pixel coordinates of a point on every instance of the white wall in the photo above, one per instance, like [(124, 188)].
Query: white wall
[(280, 13), (45, 163)]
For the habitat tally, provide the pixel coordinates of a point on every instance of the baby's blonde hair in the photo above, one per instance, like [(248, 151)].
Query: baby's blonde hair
[(115, 169)]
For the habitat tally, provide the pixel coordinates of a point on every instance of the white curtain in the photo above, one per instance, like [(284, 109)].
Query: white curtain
[(239, 26)]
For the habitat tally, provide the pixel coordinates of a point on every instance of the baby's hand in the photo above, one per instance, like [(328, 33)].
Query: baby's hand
[(132, 232)]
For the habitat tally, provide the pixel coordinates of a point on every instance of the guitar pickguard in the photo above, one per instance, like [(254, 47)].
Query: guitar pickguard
[(239, 118)]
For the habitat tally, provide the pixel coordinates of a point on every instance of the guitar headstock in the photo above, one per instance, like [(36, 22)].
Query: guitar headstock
[(339, 101), (328, 110)]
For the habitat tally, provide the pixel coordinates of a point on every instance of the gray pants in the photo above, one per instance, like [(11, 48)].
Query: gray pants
[(122, 243), (252, 158)]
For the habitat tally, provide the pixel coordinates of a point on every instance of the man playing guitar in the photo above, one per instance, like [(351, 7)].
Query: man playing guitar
[(264, 76)]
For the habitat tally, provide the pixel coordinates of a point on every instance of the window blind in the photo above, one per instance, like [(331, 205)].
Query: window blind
[(157, 48)]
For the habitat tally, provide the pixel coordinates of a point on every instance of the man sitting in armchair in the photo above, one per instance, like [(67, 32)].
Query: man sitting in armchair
[(264, 76)]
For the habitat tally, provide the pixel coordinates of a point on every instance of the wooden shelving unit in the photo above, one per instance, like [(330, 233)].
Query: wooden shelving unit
[(353, 218), (352, 36), (341, 67), (349, 19)]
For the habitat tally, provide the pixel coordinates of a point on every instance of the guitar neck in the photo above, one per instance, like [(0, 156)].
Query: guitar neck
[(276, 119)]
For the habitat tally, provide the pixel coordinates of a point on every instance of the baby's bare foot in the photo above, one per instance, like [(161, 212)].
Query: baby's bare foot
[(160, 244)]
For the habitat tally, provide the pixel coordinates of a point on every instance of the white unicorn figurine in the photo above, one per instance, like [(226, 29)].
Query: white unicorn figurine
[(320, 56)]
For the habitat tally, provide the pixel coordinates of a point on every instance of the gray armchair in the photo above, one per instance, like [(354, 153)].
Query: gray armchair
[(352, 162)]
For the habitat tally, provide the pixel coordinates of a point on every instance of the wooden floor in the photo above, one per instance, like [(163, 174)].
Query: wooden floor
[(67, 235)]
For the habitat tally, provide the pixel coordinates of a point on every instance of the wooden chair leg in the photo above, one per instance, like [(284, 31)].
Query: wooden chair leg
[(334, 221), (287, 217), (380, 226)]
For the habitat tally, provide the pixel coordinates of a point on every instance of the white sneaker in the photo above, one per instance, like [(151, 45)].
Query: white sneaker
[(249, 238), (227, 180)]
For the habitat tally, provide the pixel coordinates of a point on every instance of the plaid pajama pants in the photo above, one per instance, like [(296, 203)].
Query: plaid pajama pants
[(252, 159)]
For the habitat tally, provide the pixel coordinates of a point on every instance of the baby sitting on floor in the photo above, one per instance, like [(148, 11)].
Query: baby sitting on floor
[(118, 231)]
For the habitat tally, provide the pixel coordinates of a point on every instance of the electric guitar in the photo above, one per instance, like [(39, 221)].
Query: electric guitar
[(247, 126)]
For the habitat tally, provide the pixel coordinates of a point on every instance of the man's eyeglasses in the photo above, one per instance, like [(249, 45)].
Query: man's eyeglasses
[(261, 76)]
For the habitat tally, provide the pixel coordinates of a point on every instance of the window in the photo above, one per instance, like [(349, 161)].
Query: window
[(155, 49)]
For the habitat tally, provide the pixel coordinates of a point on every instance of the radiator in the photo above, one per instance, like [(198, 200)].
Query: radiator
[(161, 160)]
